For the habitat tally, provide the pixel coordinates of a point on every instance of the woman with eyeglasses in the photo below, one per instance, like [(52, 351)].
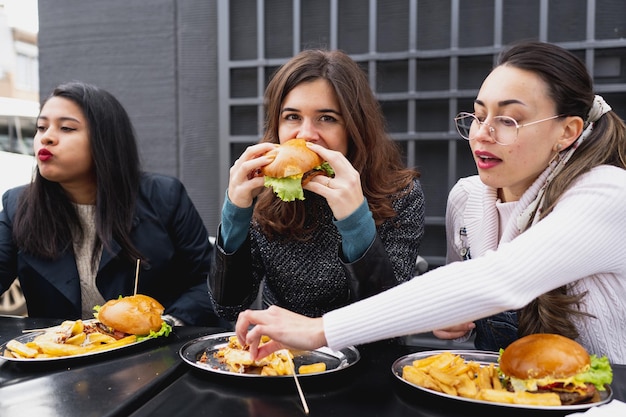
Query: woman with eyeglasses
[(539, 230)]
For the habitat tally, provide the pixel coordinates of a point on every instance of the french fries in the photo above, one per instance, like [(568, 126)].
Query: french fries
[(452, 375), (312, 368), (520, 397), (70, 338), (19, 348), (237, 358)]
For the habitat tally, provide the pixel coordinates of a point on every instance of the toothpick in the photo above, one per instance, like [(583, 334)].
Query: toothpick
[(295, 378), (43, 329), (136, 277)]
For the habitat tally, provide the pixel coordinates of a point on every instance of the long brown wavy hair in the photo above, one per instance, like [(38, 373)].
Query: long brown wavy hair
[(370, 149), (571, 88)]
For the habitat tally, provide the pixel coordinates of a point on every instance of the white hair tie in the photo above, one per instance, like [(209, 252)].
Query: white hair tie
[(598, 108)]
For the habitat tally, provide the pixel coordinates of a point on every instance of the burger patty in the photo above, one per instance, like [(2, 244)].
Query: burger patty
[(575, 397), (306, 177), (99, 327), (569, 397)]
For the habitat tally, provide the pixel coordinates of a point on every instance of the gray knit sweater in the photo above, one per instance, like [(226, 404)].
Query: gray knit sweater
[(309, 277)]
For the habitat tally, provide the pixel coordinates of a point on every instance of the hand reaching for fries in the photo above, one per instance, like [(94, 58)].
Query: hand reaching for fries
[(70, 338), (237, 358), (452, 375)]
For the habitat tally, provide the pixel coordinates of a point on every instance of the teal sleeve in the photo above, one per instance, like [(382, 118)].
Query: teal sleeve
[(358, 231), (235, 225)]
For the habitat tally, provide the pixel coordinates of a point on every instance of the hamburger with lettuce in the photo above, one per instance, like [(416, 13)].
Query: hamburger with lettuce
[(293, 166), (543, 362), (138, 314)]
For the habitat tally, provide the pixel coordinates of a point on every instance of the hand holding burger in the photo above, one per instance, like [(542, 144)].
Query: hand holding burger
[(553, 363), (293, 166)]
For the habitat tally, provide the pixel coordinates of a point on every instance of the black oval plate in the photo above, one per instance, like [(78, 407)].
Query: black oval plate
[(192, 351)]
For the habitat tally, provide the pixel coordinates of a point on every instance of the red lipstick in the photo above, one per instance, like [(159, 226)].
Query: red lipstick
[(44, 155)]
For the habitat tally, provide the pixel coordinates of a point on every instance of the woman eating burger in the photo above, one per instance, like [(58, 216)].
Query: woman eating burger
[(355, 227)]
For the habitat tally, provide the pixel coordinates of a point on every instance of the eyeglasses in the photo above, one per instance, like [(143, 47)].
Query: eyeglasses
[(502, 129)]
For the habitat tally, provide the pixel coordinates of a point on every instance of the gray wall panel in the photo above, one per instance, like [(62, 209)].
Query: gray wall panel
[(159, 58), (197, 108)]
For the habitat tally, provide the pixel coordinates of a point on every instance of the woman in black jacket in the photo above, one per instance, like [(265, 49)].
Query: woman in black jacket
[(74, 235)]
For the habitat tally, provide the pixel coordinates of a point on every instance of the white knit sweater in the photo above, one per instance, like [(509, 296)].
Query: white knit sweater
[(580, 241)]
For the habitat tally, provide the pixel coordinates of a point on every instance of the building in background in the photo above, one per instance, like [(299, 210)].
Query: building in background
[(192, 72), (19, 86), (19, 60), (19, 106)]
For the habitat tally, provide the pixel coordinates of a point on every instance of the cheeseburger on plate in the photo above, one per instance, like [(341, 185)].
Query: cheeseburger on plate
[(552, 363), (139, 315), (293, 166)]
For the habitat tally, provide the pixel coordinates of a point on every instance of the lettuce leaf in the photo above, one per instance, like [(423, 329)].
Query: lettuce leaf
[(326, 168), (598, 374), (287, 189), (290, 188), (165, 330)]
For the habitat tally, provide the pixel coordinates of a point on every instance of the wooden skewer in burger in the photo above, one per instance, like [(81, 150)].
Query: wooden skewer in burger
[(118, 323), (293, 166)]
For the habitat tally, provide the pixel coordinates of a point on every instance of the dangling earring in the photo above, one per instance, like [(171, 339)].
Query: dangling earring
[(557, 154)]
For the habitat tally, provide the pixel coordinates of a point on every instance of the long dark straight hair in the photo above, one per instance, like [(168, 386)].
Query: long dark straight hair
[(45, 216)]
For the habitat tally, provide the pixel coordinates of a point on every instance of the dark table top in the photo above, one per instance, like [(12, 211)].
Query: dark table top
[(150, 379)]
